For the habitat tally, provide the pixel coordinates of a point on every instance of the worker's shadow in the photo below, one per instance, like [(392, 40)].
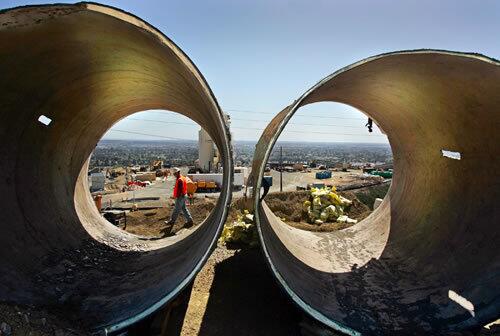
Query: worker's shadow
[(167, 231), (246, 300)]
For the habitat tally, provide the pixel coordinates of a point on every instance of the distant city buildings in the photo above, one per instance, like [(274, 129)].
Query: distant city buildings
[(121, 153), (332, 155)]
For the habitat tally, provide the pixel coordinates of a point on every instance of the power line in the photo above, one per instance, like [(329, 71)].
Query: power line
[(257, 129), (165, 121), (151, 135), (253, 120), (273, 113), (298, 115), (313, 132), (302, 124), (261, 129)]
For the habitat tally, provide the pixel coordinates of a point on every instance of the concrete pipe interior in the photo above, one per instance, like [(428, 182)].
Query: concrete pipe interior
[(427, 259), (84, 67)]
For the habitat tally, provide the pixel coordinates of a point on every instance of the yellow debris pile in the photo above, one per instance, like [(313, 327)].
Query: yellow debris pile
[(241, 231), (325, 205)]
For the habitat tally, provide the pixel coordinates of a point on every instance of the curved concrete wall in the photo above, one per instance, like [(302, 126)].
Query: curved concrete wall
[(427, 260), (86, 66)]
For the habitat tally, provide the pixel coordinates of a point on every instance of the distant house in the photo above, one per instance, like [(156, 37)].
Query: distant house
[(380, 167), (117, 171), (94, 170), (97, 181), (298, 167)]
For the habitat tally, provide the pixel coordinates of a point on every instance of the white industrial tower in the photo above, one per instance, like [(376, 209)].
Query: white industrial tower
[(206, 151), (208, 155)]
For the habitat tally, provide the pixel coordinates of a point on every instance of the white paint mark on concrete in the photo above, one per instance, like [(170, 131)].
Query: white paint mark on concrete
[(494, 323), (377, 203), (44, 120), (451, 154), (466, 304)]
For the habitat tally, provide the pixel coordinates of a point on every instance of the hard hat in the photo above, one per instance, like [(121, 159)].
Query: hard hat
[(175, 170)]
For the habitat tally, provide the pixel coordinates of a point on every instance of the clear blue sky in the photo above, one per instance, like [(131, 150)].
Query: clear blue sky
[(260, 55)]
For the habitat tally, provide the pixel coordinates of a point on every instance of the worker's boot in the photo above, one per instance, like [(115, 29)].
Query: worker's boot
[(189, 223), (167, 230)]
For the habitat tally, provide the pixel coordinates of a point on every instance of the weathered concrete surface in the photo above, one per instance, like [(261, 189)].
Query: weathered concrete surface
[(86, 66), (436, 233)]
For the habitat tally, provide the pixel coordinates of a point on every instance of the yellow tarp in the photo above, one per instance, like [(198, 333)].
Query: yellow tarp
[(241, 231), (327, 206)]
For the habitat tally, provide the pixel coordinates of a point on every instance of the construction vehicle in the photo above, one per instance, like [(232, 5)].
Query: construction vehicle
[(191, 186), (206, 186), (211, 186), (324, 174), (384, 173), (216, 178), (157, 164)]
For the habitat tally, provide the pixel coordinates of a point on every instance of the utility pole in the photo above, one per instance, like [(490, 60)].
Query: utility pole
[(281, 168)]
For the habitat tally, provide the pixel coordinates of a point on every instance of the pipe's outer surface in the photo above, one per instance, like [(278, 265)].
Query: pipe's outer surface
[(86, 66), (427, 260)]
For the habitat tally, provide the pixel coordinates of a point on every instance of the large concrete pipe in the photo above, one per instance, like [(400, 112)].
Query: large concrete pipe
[(427, 260), (85, 67)]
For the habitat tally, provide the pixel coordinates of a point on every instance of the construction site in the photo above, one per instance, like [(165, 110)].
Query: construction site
[(90, 246)]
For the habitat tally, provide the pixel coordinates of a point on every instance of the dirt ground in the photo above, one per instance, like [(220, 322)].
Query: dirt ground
[(288, 206), (369, 194), (339, 178), (150, 223), (234, 293), (116, 185), (17, 320)]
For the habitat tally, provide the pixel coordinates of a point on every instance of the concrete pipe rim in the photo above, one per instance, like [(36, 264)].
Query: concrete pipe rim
[(224, 146), (225, 194), (289, 111)]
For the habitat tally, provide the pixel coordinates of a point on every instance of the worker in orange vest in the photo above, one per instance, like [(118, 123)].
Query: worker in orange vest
[(180, 195)]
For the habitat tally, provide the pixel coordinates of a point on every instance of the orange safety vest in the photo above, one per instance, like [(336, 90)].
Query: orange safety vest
[(184, 186)]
